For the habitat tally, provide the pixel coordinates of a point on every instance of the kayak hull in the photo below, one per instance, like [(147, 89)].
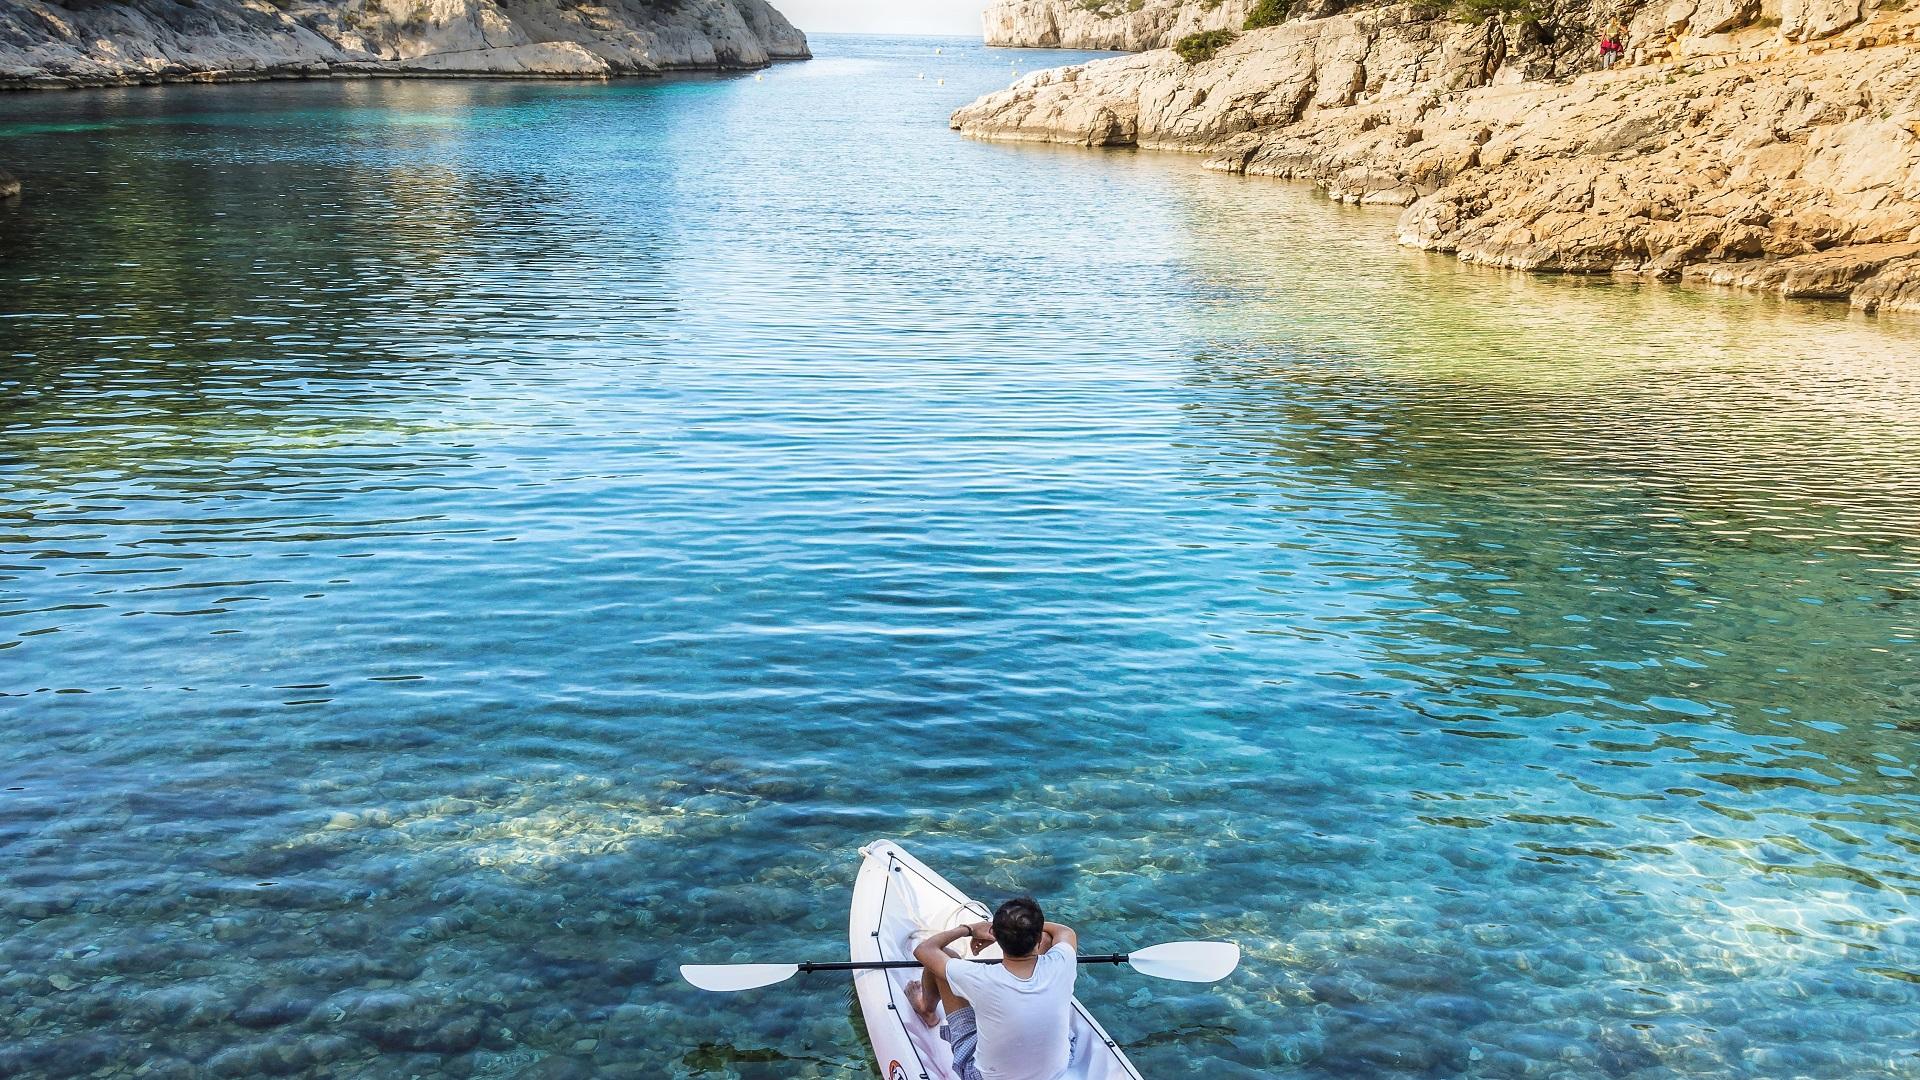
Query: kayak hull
[(897, 901)]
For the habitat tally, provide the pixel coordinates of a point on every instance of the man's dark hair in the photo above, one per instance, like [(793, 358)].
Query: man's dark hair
[(1016, 926)]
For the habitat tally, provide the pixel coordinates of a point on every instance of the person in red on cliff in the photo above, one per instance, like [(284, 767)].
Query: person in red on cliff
[(1613, 48)]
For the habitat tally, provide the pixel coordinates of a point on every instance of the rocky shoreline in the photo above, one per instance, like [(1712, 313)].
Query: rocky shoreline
[(83, 43), (1773, 148)]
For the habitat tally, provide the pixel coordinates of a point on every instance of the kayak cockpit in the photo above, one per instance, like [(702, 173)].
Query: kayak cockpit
[(897, 902)]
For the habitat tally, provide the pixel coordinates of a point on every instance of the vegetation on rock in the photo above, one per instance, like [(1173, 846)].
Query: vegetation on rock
[(1507, 11), (1267, 13), (1201, 47)]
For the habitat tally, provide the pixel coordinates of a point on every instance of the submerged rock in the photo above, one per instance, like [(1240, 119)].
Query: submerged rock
[(274, 1008)]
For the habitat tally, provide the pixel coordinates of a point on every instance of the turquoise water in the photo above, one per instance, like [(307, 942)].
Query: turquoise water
[(467, 548)]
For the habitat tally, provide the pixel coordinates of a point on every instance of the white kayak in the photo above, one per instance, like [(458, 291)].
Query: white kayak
[(897, 902)]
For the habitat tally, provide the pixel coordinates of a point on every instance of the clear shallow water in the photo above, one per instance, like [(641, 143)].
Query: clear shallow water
[(470, 547)]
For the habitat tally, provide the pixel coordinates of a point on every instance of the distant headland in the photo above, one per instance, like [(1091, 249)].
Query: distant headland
[(81, 43)]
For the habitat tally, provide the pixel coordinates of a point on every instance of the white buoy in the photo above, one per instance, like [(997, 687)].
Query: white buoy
[(922, 75), (936, 50), (940, 82)]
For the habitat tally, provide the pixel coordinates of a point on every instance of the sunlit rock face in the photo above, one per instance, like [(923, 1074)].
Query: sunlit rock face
[(91, 43), (1771, 149), (1112, 24)]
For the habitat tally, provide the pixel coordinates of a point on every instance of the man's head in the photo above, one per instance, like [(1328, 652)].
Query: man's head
[(1016, 926)]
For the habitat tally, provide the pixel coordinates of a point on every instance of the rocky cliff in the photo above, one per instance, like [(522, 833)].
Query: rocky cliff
[(1125, 25), (58, 43), (1770, 144)]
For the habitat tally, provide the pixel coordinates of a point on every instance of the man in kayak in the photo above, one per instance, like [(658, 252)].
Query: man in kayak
[(1006, 1021)]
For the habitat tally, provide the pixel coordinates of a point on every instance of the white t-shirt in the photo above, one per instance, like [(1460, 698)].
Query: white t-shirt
[(1024, 1023)]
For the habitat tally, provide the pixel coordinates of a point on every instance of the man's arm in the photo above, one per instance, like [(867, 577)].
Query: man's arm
[(1053, 933), (932, 953)]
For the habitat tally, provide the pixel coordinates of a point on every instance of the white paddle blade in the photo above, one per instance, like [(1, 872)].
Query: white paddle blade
[(1187, 961), (725, 978)]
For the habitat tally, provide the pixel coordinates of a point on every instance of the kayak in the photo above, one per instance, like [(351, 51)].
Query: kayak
[(898, 902)]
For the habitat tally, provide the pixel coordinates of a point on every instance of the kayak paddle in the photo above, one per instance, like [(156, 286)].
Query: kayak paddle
[(1184, 961)]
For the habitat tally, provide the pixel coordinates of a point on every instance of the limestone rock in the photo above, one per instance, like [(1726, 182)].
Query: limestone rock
[(1265, 79), (1766, 162), (546, 60), (1896, 288), (1112, 24), (44, 43), (1806, 20), (1833, 274)]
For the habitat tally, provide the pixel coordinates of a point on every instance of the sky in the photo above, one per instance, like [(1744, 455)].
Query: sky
[(954, 18)]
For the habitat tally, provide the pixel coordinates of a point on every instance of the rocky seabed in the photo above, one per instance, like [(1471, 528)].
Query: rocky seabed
[(529, 926), (1774, 148)]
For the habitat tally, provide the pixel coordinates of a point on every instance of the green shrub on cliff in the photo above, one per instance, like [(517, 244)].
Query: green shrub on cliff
[(1195, 48), (1266, 13), (1507, 11)]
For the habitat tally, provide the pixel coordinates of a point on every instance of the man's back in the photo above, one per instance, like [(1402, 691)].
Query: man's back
[(1023, 1023)]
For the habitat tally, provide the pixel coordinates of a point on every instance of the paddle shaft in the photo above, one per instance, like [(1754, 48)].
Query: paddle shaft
[(874, 965)]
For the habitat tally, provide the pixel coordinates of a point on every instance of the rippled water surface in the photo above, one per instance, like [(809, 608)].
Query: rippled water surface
[(466, 548)]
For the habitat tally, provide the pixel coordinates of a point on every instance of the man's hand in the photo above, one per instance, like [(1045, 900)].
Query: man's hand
[(932, 953), (1052, 934), (982, 936)]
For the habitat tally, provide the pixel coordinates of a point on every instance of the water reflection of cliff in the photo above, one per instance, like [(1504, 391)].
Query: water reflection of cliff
[(347, 269)]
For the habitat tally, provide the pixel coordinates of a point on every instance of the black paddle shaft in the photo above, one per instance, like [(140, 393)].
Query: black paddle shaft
[(873, 965)]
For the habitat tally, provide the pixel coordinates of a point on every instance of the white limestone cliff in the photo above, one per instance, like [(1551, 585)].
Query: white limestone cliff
[(1767, 144), (1122, 25), (66, 43)]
